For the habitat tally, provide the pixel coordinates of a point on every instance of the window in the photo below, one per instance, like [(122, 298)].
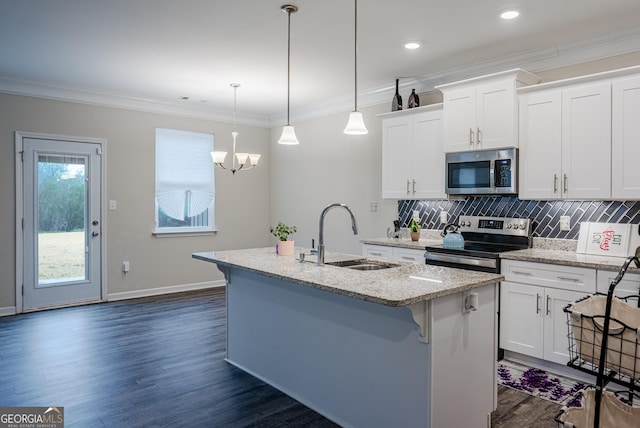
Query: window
[(185, 188)]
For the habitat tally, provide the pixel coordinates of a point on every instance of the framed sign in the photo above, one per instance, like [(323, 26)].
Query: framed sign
[(605, 239)]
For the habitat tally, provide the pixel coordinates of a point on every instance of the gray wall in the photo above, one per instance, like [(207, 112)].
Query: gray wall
[(242, 209)]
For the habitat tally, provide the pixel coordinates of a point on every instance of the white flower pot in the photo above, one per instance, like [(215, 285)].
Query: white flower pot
[(285, 248)]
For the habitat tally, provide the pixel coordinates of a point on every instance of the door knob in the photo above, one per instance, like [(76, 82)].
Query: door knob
[(94, 234)]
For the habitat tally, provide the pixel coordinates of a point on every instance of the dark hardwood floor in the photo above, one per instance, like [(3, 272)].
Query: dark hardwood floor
[(159, 362)]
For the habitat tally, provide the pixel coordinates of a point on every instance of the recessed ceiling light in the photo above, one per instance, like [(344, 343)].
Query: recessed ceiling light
[(509, 14), (412, 45)]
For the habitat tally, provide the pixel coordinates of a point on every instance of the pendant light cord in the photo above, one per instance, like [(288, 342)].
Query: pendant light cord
[(288, 63), (355, 54)]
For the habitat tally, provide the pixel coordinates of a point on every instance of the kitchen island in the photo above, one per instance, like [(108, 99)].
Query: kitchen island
[(409, 346)]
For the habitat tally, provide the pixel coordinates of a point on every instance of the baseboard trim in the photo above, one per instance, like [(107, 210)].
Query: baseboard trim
[(112, 297), (10, 310)]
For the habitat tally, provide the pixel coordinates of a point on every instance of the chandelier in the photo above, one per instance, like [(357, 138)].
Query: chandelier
[(238, 160)]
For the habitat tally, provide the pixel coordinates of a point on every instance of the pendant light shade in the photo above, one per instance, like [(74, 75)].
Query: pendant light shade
[(288, 136), (355, 125), (288, 133)]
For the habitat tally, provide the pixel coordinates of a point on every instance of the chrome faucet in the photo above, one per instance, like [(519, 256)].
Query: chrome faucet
[(321, 228)]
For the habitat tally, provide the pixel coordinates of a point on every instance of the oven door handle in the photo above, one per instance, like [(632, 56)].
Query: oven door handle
[(470, 261)]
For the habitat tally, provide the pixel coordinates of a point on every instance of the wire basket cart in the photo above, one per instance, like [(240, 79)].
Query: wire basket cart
[(612, 357)]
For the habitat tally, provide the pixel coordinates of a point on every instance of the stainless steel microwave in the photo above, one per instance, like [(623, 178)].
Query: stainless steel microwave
[(482, 172)]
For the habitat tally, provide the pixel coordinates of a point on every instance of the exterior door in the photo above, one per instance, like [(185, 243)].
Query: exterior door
[(62, 222)]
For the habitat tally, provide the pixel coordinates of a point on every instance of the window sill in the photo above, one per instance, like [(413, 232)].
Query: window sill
[(182, 234)]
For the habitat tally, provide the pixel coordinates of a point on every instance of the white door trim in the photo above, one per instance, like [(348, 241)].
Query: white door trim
[(19, 137)]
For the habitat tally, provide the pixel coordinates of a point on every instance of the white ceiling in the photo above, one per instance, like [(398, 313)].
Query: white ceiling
[(148, 54)]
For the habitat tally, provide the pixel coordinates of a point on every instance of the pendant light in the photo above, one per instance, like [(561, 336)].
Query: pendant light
[(355, 125), (288, 133), (218, 157)]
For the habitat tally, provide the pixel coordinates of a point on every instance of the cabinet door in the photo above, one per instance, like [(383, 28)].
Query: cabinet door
[(625, 139), (495, 115), (428, 157), (586, 142), (540, 145), (521, 318), (556, 343), (459, 119), (397, 135)]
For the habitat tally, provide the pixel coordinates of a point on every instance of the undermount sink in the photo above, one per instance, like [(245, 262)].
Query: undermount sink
[(363, 264)]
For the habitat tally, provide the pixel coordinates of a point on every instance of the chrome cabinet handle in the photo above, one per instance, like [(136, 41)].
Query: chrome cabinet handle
[(566, 278), (407, 187), (471, 137), (537, 303), (374, 253), (555, 183), (519, 272), (566, 183), (478, 135), (412, 259), (548, 305), (414, 186)]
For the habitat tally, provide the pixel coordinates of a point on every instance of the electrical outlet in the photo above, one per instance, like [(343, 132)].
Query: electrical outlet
[(444, 217), (373, 206), (126, 266), (113, 205), (565, 223)]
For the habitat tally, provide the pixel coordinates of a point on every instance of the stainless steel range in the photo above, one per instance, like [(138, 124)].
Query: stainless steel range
[(484, 239)]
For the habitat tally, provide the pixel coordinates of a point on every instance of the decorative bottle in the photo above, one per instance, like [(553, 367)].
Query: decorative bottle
[(396, 104), (414, 100)]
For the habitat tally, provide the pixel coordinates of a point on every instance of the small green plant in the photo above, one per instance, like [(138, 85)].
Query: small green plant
[(415, 226), (282, 231)]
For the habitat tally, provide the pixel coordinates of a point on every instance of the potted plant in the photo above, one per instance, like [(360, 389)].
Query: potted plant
[(282, 231), (414, 229)]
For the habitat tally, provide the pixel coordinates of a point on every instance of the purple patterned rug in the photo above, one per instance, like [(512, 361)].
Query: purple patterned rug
[(539, 383)]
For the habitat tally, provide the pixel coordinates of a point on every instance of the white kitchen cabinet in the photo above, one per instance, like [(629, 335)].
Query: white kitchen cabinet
[(412, 155), (625, 149), (393, 253), (532, 298), (565, 143), (481, 113)]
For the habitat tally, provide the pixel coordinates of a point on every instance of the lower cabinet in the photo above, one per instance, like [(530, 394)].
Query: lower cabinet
[(532, 320), (393, 253)]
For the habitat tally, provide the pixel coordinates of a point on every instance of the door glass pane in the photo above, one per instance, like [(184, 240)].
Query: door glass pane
[(61, 219)]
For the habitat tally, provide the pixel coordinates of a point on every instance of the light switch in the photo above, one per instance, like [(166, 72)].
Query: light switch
[(113, 205), (565, 223), (444, 217)]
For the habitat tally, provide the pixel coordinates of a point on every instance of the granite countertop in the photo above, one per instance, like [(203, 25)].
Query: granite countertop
[(402, 242), (399, 286), (567, 258), (552, 251)]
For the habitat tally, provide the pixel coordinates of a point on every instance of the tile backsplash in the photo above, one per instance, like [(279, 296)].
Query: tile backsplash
[(545, 214)]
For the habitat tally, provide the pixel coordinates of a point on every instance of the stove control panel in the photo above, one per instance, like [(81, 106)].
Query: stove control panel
[(495, 225)]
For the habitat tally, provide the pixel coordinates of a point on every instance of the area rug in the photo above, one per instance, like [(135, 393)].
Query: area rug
[(536, 382)]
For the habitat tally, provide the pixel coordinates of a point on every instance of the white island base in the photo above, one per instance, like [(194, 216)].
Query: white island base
[(364, 364)]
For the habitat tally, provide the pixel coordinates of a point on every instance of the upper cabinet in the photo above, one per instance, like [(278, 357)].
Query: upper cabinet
[(578, 138), (412, 155), (481, 113), (625, 149), (565, 143)]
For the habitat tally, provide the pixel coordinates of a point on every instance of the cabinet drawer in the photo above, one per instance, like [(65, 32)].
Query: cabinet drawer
[(548, 275), (410, 256), (630, 284), (377, 251)]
